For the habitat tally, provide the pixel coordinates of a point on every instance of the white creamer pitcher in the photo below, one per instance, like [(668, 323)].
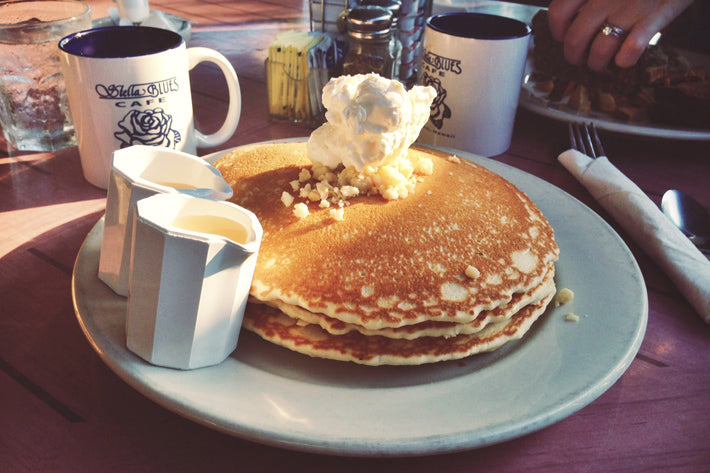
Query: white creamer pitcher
[(138, 172), (192, 263)]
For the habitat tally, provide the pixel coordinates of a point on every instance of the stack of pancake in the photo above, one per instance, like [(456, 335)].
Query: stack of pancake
[(462, 266)]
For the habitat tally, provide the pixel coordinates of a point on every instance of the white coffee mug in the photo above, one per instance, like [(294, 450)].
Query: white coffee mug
[(476, 62), (130, 85)]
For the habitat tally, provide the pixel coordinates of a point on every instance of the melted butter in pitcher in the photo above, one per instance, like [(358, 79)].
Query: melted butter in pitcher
[(213, 225), (176, 185)]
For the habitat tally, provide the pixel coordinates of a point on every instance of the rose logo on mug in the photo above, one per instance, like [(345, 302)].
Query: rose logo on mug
[(130, 85), (439, 110), (434, 67), (147, 127)]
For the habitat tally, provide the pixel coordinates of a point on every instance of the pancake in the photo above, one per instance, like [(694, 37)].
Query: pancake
[(393, 263), (273, 325), (462, 265), (430, 328)]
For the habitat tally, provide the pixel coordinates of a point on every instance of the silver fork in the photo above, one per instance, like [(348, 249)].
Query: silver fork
[(584, 138)]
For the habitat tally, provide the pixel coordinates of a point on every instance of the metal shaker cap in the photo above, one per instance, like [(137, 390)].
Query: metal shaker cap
[(369, 22), (392, 6)]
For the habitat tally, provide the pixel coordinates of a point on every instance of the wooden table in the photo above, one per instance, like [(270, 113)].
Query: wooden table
[(63, 410)]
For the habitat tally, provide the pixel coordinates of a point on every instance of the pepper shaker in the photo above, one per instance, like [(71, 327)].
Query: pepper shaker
[(394, 7), (369, 33)]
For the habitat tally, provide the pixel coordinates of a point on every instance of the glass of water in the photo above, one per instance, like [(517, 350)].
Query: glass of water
[(33, 106)]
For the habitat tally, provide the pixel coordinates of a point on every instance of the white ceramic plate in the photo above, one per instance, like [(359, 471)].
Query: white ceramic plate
[(535, 102), (268, 394)]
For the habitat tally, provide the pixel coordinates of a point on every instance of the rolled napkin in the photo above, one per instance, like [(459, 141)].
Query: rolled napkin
[(687, 267)]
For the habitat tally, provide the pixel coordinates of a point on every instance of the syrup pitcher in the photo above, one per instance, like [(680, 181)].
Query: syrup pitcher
[(192, 263), (138, 172)]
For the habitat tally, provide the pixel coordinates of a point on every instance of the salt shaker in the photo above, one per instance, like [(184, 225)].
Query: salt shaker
[(394, 7), (369, 34)]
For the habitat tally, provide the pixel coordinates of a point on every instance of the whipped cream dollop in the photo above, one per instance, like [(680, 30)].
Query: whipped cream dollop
[(371, 121)]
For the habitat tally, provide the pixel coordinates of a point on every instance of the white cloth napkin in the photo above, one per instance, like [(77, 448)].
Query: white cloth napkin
[(687, 267)]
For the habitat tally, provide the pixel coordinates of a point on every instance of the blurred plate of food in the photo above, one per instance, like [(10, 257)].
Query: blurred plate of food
[(666, 95)]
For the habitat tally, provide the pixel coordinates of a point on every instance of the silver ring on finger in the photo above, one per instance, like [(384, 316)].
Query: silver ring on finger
[(610, 29)]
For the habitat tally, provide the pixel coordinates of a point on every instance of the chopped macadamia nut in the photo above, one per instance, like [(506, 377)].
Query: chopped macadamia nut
[(393, 193), (349, 191), (319, 171), (563, 297), (305, 175), (472, 272), (300, 210), (286, 198), (338, 214), (571, 317), (424, 166), (305, 190), (393, 180)]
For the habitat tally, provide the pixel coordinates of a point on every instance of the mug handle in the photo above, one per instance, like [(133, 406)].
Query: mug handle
[(198, 55)]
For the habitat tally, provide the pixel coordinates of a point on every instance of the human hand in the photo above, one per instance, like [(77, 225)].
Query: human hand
[(578, 24)]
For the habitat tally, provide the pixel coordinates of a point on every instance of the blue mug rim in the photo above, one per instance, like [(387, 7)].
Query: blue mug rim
[(522, 28), (101, 43)]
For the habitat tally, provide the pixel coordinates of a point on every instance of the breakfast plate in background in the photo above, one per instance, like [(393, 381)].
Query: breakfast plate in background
[(538, 102)]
